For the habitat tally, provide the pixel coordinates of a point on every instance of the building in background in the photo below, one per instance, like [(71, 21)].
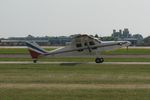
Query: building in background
[(125, 35), (44, 41)]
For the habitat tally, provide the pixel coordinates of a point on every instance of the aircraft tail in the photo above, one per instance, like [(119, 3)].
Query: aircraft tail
[(35, 50)]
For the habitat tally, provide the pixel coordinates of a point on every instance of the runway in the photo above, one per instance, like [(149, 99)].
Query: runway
[(111, 63)]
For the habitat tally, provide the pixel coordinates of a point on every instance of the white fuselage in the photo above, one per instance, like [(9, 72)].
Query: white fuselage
[(85, 45)]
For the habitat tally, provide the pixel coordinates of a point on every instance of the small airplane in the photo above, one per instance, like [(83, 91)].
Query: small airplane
[(81, 44)]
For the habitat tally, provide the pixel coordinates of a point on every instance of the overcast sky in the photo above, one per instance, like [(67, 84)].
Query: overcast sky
[(66, 17)]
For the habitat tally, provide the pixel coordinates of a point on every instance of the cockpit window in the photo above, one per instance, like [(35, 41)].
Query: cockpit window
[(78, 45), (91, 43)]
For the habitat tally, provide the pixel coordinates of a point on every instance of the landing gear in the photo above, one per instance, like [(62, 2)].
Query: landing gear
[(35, 61), (99, 60)]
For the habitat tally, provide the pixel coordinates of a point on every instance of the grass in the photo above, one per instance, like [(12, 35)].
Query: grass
[(79, 94), (17, 50), (118, 52), (74, 82), (74, 73), (132, 51), (77, 59)]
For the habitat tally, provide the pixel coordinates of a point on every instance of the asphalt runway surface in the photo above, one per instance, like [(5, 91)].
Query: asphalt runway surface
[(73, 63)]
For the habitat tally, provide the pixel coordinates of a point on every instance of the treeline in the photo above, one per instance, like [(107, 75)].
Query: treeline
[(62, 40)]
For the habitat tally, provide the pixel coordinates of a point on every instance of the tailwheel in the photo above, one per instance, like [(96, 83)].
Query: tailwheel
[(35, 61), (99, 60)]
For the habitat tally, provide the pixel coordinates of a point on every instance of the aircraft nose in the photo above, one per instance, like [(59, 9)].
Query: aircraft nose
[(128, 43)]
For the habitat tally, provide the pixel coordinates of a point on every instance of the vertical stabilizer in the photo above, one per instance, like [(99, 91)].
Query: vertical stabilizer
[(35, 50)]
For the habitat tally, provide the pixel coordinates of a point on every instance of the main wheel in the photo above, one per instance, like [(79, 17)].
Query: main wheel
[(102, 60), (99, 60)]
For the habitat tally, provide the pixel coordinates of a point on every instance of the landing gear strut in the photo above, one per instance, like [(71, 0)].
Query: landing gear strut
[(99, 60)]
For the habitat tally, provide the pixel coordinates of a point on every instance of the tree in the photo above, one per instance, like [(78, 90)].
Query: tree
[(108, 38), (96, 35), (147, 41), (138, 36)]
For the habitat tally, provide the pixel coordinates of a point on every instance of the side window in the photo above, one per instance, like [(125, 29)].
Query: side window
[(91, 43), (78, 45)]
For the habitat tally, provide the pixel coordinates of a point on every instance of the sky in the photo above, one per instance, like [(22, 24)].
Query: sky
[(66, 17)]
